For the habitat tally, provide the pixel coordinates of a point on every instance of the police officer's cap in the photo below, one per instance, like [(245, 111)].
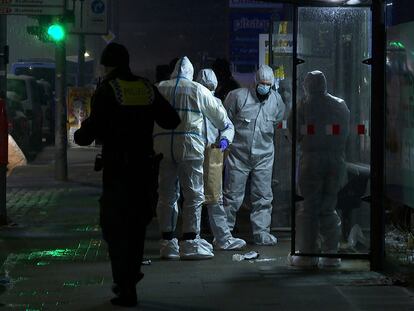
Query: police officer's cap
[(115, 55)]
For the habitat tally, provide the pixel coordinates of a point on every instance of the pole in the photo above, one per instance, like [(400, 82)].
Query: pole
[(115, 18), (81, 60), (293, 127), (3, 92), (378, 137), (61, 161)]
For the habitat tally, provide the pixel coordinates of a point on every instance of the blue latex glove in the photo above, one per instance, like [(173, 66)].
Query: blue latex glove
[(223, 144)]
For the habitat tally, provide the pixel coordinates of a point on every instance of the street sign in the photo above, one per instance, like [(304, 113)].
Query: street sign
[(58, 3), (254, 4), (108, 38), (32, 7), (31, 10), (91, 17)]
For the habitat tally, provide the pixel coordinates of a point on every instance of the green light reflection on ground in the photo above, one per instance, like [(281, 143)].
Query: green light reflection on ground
[(88, 228), (32, 293), (56, 253), (71, 284), (91, 282), (85, 250)]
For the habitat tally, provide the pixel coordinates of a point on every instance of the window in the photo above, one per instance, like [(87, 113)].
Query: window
[(17, 86)]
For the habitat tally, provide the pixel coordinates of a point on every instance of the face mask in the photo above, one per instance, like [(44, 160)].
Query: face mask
[(263, 89)]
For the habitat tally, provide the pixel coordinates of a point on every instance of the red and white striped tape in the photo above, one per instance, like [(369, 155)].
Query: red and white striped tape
[(282, 125), (361, 129), (330, 129), (307, 129), (333, 129)]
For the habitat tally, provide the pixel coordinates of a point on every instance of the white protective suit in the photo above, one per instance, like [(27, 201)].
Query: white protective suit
[(223, 238), (321, 168), (252, 153), (182, 164)]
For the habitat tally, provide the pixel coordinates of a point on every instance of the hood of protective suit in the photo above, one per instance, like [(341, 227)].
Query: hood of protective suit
[(315, 83), (183, 69), (208, 78), (265, 74)]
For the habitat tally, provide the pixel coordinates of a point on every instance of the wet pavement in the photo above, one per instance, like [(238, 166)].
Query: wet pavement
[(54, 258)]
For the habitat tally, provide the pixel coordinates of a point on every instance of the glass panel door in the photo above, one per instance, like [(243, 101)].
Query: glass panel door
[(281, 60), (332, 125)]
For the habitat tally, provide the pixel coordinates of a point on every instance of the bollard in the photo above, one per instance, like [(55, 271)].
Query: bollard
[(4, 145)]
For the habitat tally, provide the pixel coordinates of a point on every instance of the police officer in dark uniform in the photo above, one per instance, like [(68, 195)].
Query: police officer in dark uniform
[(124, 108)]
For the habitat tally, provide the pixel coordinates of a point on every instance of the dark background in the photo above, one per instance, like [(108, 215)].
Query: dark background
[(155, 31)]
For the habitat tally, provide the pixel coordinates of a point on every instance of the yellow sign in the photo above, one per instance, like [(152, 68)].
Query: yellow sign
[(78, 108)]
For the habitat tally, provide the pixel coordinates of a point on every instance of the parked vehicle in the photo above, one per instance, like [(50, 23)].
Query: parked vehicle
[(46, 69), (37, 68), (18, 122), (27, 91)]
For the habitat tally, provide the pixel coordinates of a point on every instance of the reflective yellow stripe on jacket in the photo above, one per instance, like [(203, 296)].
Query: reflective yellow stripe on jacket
[(133, 93)]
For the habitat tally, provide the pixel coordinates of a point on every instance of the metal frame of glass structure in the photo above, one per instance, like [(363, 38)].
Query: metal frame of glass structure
[(376, 254)]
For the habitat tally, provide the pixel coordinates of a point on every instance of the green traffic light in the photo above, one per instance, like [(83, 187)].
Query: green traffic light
[(56, 32)]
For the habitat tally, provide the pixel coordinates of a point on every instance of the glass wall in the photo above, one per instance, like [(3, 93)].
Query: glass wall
[(333, 159), (399, 156), (400, 108), (281, 60)]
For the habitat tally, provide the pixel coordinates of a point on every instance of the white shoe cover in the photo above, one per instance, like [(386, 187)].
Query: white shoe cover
[(169, 249), (301, 261), (325, 262), (195, 250), (265, 238), (205, 243), (230, 245)]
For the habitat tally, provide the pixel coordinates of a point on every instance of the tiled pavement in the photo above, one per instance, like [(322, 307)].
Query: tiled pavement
[(56, 260)]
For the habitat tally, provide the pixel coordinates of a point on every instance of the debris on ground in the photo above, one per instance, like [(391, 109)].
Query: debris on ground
[(400, 245), (262, 260), (248, 256)]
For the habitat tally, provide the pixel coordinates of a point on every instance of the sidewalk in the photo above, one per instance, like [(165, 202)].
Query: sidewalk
[(56, 260)]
